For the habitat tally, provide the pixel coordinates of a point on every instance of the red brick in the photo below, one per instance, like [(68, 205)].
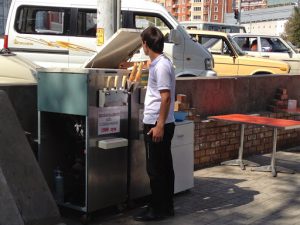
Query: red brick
[(221, 136), (221, 149), (203, 132), (216, 157), (230, 148), (248, 144), (210, 151), (225, 155), (234, 140), (256, 142), (197, 154), (204, 159), (224, 129), (260, 135), (215, 144), (212, 137), (251, 137), (202, 139), (203, 146), (202, 153), (269, 134), (256, 130), (235, 127), (225, 142), (230, 134), (248, 131), (281, 91)]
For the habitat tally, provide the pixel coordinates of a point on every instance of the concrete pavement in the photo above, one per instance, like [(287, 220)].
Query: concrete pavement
[(226, 195)]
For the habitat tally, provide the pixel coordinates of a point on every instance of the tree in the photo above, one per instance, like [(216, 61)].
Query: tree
[(292, 28)]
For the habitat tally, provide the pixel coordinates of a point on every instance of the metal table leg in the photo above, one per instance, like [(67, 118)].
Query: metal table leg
[(239, 161), (273, 168)]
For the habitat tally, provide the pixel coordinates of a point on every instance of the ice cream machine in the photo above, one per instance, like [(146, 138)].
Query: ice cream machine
[(83, 134)]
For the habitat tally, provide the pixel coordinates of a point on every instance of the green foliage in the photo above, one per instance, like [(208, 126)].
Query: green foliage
[(292, 28)]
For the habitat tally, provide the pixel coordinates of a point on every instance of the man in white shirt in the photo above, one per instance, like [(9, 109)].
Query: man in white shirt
[(159, 127)]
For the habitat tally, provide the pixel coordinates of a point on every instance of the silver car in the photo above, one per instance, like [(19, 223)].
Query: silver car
[(271, 47)]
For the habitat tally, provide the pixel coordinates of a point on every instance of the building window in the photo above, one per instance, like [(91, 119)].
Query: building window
[(197, 17), (198, 8), (215, 17), (216, 8), (197, 1), (216, 1)]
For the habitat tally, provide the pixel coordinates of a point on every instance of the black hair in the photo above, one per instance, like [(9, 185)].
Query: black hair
[(154, 39)]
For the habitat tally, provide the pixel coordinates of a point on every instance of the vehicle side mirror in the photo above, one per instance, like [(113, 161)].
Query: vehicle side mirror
[(174, 37), (290, 52)]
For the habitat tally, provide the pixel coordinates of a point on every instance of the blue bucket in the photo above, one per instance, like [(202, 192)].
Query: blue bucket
[(180, 115)]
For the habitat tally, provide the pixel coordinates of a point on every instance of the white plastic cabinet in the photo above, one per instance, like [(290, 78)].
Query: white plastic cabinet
[(183, 155)]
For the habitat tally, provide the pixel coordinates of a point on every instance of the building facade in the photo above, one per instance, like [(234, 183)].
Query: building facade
[(215, 10), (180, 9), (198, 10)]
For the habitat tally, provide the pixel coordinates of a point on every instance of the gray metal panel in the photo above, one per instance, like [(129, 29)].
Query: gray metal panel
[(119, 47), (107, 177), (63, 93), (106, 169), (140, 184)]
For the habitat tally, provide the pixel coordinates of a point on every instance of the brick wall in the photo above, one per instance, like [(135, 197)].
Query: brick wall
[(216, 141), (219, 141)]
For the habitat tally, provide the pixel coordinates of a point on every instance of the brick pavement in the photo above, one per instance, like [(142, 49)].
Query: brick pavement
[(226, 195)]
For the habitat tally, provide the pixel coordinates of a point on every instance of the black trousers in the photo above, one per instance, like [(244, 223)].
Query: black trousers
[(160, 169)]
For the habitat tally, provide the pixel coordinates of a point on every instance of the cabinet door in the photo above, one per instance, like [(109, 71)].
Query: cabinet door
[(183, 134), (183, 162)]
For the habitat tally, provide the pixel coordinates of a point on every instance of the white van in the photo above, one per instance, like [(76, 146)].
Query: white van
[(55, 33)]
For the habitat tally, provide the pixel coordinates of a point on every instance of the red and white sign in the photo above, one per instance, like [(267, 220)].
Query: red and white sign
[(108, 121)]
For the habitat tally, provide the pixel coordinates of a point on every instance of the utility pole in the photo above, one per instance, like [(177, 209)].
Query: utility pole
[(239, 10), (108, 19)]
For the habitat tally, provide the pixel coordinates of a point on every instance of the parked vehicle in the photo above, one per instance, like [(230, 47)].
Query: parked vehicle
[(271, 47), (17, 70), (55, 33), (223, 27), (230, 60)]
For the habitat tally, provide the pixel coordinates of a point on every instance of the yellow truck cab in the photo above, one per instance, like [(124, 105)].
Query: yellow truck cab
[(230, 60)]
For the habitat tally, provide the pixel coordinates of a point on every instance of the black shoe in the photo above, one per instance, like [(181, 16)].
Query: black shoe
[(150, 215)]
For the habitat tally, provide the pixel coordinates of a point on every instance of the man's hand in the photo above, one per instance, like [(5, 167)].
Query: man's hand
[(157, 133)]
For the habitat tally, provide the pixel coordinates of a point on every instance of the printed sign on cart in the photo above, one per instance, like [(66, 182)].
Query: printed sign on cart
[(108, 121)]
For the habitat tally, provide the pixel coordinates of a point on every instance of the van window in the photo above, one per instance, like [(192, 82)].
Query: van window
[(42, 20), (86, 23), (142, 22)]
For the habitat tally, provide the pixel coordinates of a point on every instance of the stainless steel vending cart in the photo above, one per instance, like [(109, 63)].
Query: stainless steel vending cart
[(83, 127), (83, 139)]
